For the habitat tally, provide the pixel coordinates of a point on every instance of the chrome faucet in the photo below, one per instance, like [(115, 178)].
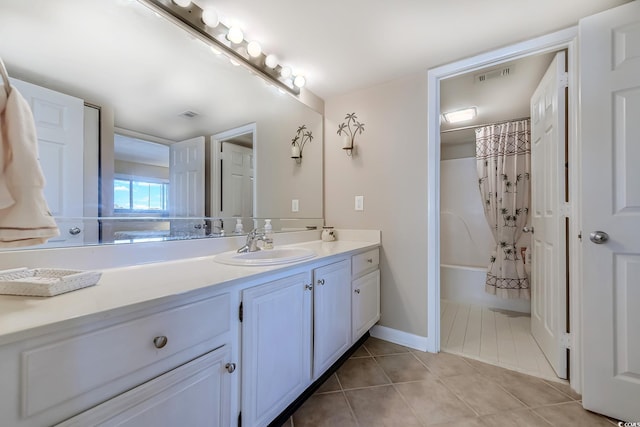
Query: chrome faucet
[(253, 238)]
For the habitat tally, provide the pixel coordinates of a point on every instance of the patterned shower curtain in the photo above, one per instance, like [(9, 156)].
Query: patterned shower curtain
[(503, 154)]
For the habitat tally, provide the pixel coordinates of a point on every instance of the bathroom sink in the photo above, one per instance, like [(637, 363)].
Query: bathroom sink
[(265, 257)]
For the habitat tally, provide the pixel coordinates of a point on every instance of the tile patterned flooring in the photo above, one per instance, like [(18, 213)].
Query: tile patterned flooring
[(387, 385)]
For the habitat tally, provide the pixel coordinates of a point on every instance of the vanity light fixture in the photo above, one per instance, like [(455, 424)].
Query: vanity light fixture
[(462, 115), (297, 143), (348, 130), (235, 35), (254, 49), (205, 24), (210, 18)]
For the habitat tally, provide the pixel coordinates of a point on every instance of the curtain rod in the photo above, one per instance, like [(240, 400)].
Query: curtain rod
[(481, 126)]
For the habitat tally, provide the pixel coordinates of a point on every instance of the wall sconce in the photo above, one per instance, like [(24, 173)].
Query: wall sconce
[(348, 130), (297, 143)]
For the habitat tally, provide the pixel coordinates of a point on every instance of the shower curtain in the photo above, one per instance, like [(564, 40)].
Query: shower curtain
[(503, 156)]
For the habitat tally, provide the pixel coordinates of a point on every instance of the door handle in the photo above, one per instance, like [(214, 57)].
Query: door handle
[(526, 229), (598, 237)]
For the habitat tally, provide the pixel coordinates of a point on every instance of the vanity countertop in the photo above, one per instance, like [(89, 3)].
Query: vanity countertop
[(133, 286)]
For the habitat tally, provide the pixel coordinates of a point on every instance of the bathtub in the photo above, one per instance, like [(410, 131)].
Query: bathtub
[(465, 284)]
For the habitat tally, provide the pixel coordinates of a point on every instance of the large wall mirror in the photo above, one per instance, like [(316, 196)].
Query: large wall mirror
[(148, 133)]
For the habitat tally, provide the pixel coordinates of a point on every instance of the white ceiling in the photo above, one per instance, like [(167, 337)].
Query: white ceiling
[(345, 45)]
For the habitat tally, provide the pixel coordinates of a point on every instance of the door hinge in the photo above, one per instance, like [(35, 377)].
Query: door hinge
[(565, 340), (564, 79), (240, 419), (240, 312)]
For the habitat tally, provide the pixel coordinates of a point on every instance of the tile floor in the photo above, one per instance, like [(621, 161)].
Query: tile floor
[(498, 337), (384, 384)]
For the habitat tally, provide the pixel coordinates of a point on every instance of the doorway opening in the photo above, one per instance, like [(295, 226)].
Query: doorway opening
[(458, 324)]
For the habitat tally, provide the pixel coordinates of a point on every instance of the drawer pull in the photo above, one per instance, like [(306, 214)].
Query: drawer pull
[(230, 367), (160, 341), (320, 281), (308, 287), (357, 291), (370, 260)]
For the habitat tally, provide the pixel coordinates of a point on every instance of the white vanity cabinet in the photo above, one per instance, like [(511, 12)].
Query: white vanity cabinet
[(365, 297), (331, 315), (292, 328), (51, 378), (276, 346), (196, 394)]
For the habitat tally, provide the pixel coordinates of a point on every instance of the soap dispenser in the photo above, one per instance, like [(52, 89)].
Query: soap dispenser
[(239, 228), (268, 234)]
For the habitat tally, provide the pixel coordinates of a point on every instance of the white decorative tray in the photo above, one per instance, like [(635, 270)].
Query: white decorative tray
[(45, 282)]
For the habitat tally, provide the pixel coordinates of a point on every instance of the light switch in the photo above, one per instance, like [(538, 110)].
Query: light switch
[(359, 203), (295, 207)]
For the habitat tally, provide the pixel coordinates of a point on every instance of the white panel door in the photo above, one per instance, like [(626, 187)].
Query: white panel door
[(331, 314), (186, 187), (548, 242), (59, 122), (276, 347), (237, 181), (610, 135)]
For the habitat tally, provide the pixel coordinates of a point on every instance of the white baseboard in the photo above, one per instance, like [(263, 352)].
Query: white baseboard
[(395, 336)]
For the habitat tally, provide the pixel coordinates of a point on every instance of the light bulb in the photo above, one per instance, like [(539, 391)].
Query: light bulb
[(235, 35), (271, 61), (210, 18), (182, 3), (299, 81), (253, 49), (285, 72)]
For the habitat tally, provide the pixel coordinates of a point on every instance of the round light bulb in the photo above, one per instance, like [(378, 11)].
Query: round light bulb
[(210, 18), (253, 49), (299, 81), (271, 61), (182, 3), (285, 72), (235, 35)]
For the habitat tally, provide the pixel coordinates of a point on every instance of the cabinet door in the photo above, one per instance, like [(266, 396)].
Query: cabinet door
[(196, 394), (276, 347), (365, 303), (331, 318)]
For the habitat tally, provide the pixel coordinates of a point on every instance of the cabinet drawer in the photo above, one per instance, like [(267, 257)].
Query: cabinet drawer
[(365, 261), (65, 370)]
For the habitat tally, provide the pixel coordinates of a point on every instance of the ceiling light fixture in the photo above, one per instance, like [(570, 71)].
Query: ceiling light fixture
[(206, 25), (462, 115)]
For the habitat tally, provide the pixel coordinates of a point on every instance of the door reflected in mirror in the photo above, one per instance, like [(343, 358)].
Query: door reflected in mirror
[(151, 83)]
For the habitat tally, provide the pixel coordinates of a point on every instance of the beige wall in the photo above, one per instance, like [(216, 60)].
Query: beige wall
[(389, 170)]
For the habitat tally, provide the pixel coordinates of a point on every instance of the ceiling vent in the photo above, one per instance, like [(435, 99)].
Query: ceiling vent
[(189, 114), (505, 71)]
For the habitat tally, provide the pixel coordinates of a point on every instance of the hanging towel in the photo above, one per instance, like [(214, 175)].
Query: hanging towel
[(25, 219)]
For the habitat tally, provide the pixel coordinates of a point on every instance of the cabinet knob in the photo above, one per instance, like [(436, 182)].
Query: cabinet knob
[(74, 231), (320, 282), (357, 291), (160, 341), (370, 260), (230, 367), (308, 287)]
